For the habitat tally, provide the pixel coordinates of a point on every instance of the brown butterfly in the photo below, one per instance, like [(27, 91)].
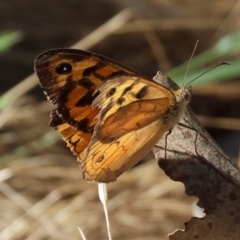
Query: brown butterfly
[(109, 115)]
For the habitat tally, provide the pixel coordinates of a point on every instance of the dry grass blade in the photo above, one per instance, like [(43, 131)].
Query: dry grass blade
[(79, 200), (225, 90), (103, 196), (103, 31), (155, 44), (93, 38), (36, 212), (81, 233), (229, 22), (171, 24), (220, 123)]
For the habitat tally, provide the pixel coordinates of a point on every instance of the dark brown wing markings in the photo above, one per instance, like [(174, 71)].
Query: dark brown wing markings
[(69, 77), (85, 100), (86, 83), (55, 120), (102, 71), (82, 138), (142, 92), (72, 92), (126, 90)]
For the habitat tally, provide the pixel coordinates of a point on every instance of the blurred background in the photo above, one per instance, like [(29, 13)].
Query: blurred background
[(42, 194)]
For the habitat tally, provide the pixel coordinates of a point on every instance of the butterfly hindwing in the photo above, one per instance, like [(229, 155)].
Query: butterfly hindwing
[(104, 162), (125, 130)]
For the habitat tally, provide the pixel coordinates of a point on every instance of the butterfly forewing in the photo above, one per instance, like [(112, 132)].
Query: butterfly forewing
[(108, 114), (69, 78)]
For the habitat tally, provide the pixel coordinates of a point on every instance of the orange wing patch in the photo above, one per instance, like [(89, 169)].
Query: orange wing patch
[(76, 140)]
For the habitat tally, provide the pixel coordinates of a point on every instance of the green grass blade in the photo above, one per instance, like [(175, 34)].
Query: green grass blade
[(220, 73), (8, 39), (227, 47)]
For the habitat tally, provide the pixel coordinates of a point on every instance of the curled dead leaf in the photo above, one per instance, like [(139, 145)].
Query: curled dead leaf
[(194, 158)]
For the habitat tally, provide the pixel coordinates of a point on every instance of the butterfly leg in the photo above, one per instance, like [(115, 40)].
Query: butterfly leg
[(196, 132), (166, 136)]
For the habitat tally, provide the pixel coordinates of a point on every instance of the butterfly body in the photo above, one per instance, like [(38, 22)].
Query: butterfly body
[(109, 115)]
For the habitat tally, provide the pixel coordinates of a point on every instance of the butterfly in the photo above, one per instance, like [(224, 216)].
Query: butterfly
[(109, 115)]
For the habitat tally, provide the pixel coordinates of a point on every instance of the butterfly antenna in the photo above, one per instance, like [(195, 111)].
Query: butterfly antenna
[(220, 64), (194, 49)]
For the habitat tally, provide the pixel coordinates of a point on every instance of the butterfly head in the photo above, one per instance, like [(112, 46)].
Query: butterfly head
[(184, 94), (187, 94)]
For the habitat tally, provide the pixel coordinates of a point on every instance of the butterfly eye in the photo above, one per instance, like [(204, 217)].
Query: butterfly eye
[(188, 94), (64, 68)]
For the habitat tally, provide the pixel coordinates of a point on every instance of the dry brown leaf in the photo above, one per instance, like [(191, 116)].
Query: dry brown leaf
[(193, 158)]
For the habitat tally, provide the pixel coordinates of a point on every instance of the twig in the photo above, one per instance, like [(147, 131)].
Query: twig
[(171, 24), (155, 45)]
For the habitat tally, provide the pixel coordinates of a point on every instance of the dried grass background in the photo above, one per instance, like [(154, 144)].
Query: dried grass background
[(42, 194)]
